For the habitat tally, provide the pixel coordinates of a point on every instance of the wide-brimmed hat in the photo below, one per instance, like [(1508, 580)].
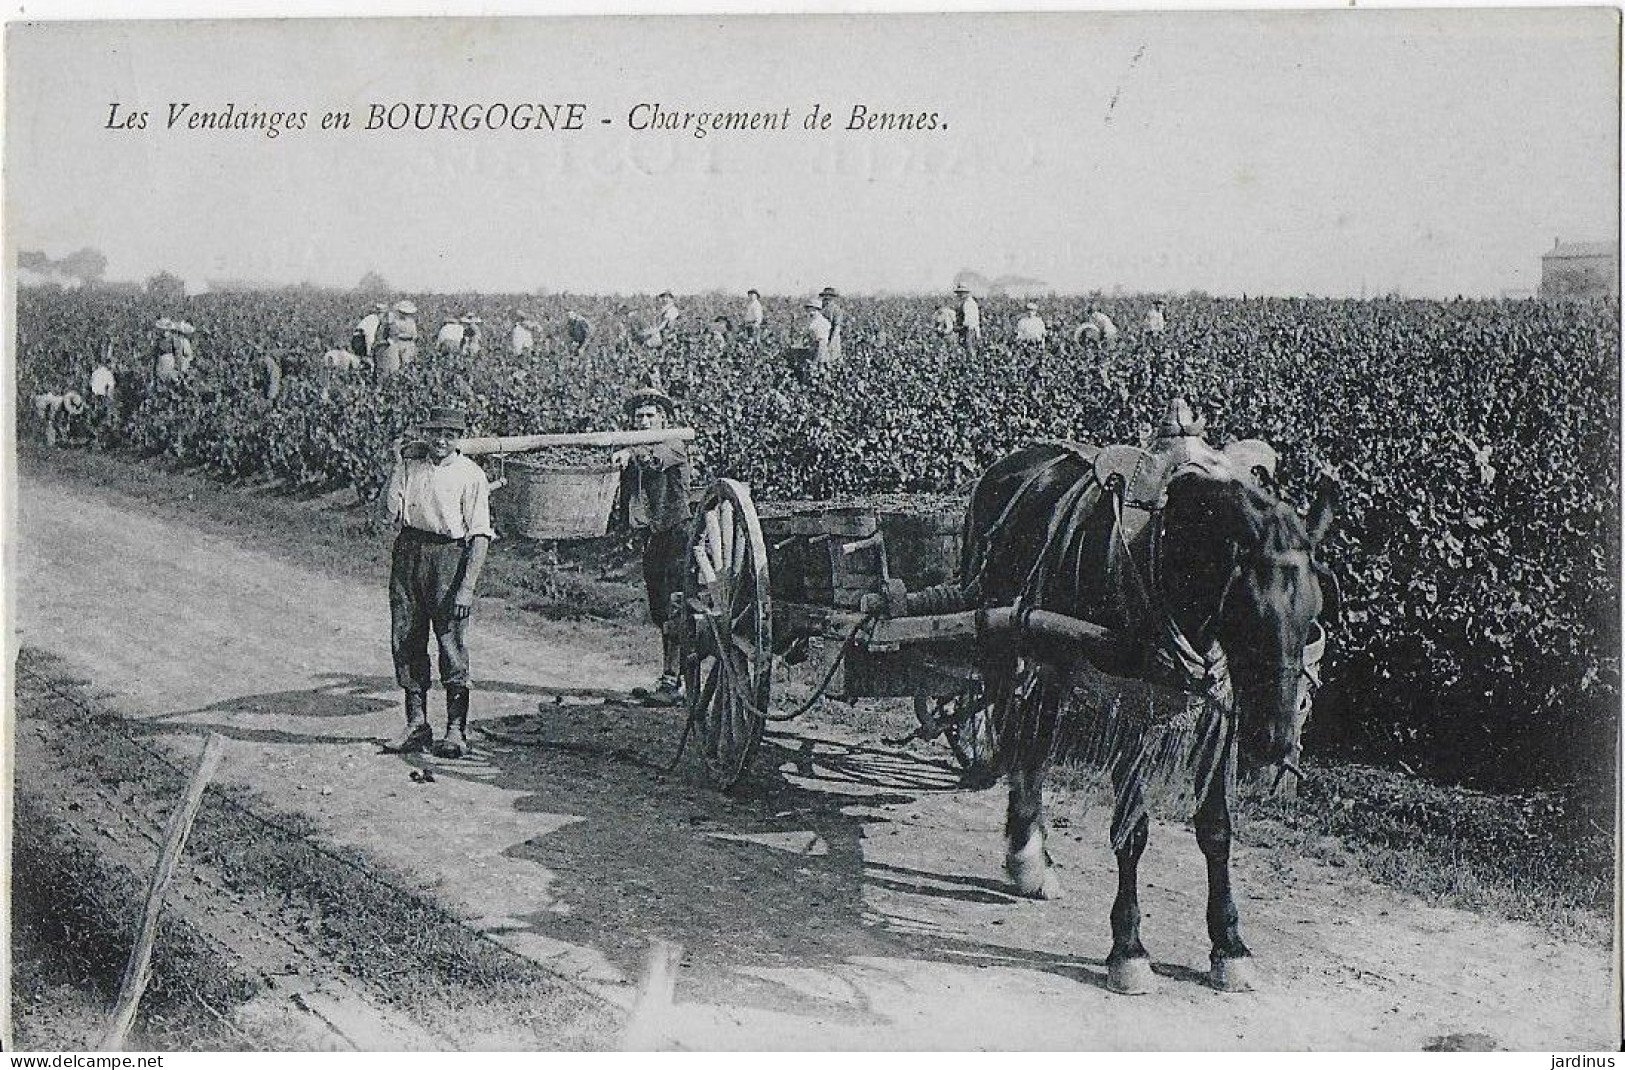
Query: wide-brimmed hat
[(961, 289), (812, 302), (665, 294), (184, 327), (753, 293), (649, 395), (406, 308), (1032, 306), (164, 324), (829, 291), (445, 419), (469, 317)]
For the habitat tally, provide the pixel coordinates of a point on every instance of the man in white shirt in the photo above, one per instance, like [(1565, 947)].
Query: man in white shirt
[(366, 332), (1030, 327), (753, 315), (817, 333), (397, 343), (832, 312), (441, 501), (969, 321), (102, 382), (1156, 321), (669, 312), (523, 338), (164, 368)]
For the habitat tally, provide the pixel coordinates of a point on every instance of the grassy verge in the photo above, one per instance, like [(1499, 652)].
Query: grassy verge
[(74, 917), (363, 920), (1536, 858)]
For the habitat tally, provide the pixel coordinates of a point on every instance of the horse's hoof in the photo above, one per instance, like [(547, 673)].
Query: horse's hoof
[(1033, 878), (1129, 977), (1030, 870), (1051, 887), (1232, 975)]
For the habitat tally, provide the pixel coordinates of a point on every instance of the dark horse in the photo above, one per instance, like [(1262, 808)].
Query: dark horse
[(1219, 576)]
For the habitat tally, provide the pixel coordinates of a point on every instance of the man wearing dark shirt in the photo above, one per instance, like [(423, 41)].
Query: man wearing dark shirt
[(654, 494)]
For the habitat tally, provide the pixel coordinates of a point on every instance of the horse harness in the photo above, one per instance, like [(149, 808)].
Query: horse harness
[(1135, 481)]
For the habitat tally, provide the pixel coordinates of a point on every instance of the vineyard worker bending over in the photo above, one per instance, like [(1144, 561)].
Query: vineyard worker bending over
[(580, 329), (441, 501), (365, 334), (654, 493)]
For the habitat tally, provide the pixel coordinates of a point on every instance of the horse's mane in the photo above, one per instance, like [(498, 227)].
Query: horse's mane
[(1259, 518)]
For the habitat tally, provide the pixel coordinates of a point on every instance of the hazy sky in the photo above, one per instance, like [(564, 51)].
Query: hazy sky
[(1434, 152)]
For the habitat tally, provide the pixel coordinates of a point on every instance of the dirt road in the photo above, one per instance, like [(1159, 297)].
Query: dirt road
[(852, 899)]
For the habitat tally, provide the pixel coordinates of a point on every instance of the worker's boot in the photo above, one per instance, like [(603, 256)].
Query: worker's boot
[(668, 691), (417, 736), (455, 743)]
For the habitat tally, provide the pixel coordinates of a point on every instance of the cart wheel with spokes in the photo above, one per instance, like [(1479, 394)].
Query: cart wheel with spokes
[(727, 631)]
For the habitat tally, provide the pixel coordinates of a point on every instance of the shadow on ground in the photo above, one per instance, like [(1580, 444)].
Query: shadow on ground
[(769, 877)]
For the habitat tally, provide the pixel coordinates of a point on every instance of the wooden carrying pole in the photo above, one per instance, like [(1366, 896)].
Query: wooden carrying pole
[(180, 823), (470, 447)]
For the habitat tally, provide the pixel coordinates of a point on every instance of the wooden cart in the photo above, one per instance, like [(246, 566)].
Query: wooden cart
[(872, 585)]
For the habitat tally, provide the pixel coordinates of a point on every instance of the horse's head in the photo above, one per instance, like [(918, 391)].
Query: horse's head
[(1239, 567)]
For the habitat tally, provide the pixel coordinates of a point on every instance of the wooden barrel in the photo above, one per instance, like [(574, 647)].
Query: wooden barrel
[(552, 501)]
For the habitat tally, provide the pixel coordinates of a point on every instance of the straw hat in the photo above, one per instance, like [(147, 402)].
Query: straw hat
[(649, 395), (445, 419), (406, 308)]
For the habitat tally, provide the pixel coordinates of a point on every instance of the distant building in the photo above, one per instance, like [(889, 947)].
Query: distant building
[(1580, 269)]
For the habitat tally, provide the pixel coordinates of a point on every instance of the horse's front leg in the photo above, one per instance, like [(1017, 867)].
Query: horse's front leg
[(1026, 858), (1025, 739), (1128, 967), (1230, 959)]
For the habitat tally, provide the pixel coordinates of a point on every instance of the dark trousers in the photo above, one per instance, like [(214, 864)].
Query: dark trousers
[(663, 568), (424, 573)]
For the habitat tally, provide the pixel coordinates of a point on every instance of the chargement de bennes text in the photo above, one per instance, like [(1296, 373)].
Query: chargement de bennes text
[(521, 117)]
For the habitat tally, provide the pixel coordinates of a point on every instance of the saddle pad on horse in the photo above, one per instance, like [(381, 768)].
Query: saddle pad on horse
[(1109, 545)]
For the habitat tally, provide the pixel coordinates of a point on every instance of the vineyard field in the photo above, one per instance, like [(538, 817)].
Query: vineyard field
[(1476, 442)]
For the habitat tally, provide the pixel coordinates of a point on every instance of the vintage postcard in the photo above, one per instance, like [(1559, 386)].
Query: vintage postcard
[(1082, 531)]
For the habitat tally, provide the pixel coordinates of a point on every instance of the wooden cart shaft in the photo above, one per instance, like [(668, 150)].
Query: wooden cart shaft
[(609, 439)]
